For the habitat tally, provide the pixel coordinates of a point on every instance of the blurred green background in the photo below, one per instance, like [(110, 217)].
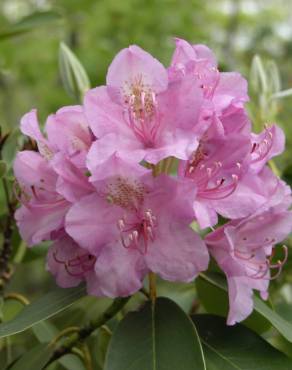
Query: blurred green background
[(237, 30)]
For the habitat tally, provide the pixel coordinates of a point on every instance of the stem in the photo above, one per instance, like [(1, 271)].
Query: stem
[(5, 255), (17, 297), (6, 251), (88, 329), (152, 286)]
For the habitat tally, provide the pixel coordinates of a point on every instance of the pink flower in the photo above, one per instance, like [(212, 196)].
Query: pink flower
[(266, 145), (215, 168), (226, 89), (134, 224), (139, 114), (69, 263), (43, 209), (244, 250), (53, 178), (225, 92)]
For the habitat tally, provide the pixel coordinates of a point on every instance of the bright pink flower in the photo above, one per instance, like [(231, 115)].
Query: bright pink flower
[(135, 223), (244, 251), (139, 114)]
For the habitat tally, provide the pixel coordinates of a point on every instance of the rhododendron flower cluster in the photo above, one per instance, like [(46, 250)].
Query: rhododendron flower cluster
[(118, 182)]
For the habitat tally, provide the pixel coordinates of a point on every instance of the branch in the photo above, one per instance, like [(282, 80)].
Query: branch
[(88, 329), (6, 247)]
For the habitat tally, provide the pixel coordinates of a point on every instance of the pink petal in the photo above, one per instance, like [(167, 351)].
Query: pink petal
[(132, 63), (63, 249), (178, 253), (37, 222), (119, 271), (72, 183), (92, 222), (103, 114)]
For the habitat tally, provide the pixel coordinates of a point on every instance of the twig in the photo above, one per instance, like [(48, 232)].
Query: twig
[(85, 331)]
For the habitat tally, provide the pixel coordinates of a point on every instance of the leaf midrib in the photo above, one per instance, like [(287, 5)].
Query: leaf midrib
[(220, 355)]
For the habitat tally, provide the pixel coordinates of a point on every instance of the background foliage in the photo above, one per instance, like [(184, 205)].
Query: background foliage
[(95, 30)]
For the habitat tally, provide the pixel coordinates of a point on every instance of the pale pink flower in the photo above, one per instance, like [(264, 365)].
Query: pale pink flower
[(69, 264), (134, 224), (244, 251), (53, 178), (224, 92), (215, 168), (139, 114)]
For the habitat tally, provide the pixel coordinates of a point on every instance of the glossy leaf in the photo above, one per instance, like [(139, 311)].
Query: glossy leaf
[(236, 347), (73, 74), (283, 326), (41, 309), (159, 337), (181, 293), (35, 359)]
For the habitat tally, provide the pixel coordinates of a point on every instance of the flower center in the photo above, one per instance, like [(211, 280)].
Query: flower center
[(141, 112), (126, 193), (138, 234)]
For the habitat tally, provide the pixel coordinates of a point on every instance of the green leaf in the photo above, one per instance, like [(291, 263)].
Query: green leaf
[(103, 340), (181, 293), (45, 332), (215, 301), (43, 308), (159, 337), (3, 168), (29, 23), (283, 326), (282, 94), (35, 359), (73, 74), (274, 78), (236, 347), (258, 77)]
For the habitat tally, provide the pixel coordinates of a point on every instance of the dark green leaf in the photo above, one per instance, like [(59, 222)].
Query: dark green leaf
[(283, 326), (35, 359), (43, 308), (158, 337), (73, 74), (236, 347)]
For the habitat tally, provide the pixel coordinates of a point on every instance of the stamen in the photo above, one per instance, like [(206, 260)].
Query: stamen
[(82, 263), (139, 233)]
